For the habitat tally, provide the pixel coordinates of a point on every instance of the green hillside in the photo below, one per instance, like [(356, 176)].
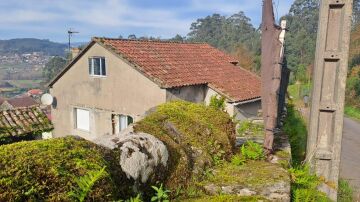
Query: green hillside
[(28, 45)]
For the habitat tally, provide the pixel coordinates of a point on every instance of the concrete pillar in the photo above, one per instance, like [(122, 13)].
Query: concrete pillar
[(329, 80)]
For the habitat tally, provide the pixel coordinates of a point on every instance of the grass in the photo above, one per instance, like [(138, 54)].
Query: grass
[(253, 174), (345, 191), (352, 112), (226, 198), (25, 83)]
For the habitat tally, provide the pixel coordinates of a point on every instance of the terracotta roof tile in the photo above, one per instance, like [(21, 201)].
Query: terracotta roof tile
[(25, 101), (173, 64), (21, 121)]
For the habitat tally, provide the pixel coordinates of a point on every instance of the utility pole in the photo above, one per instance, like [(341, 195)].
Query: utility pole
[(272, 41), (328, 95)]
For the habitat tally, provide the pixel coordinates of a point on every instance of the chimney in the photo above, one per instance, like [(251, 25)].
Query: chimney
[(74, 52)]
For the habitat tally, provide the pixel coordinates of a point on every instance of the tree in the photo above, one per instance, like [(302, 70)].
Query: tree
[(178, 38), (246, 59), (235, 35), (53, 67), (132, 36), (302, 22)]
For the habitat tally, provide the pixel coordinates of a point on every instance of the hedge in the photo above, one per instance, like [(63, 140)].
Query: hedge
[(47, 170)]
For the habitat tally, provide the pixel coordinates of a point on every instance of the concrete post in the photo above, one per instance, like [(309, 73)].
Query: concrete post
[(329, 80)]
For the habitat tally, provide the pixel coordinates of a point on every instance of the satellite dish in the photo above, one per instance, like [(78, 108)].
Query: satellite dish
[(47, 99)]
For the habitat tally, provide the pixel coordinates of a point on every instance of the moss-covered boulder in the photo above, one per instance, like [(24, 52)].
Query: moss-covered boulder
[(47, 170), (196, 136)]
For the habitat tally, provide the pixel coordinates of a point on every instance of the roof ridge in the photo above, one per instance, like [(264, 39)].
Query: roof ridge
[(148, 40)]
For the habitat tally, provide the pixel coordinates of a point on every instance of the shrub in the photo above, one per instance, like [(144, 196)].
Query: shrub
[(252, 151), (47, 170), (194, 135), (217, 103)]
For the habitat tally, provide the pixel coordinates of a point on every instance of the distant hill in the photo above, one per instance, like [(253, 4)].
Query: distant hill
[(29, 45)]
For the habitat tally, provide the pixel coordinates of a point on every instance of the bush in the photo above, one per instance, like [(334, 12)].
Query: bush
[(195, 136), (217, 103), (47, 170), (252, 151)]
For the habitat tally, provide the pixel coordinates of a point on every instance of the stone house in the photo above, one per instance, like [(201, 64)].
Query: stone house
[(113, 82)]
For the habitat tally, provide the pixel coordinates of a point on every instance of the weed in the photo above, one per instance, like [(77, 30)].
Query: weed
[(217, 103), (237, 160), (161, 194), (85, 184), (252, 151), (304, 186)]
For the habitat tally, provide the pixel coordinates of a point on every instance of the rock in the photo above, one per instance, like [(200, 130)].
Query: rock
[(141, 155), (246, 192), (237, 190), (212, 189), (279, 197)]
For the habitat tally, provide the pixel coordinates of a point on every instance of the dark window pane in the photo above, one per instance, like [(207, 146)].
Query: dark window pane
[(130, 120), (90, 66), (96, 66), (103, 67)]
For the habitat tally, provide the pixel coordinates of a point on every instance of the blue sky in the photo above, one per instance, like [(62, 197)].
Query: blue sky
[(50, 19)]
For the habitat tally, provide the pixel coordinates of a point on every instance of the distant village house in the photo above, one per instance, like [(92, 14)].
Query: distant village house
[(113, 82), (17, 102)]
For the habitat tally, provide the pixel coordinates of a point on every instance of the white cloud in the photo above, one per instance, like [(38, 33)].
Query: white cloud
[(110, 15)]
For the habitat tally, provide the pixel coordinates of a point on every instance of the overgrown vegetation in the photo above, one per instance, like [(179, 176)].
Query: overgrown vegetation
[(247, 127), (85, 184), (48, 170), (252, 151), (295, 128), (304, 186), (345, 191), (190, 129), (217, 102), (352, 112)]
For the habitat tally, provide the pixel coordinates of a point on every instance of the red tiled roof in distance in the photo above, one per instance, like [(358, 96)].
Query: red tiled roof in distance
[(174, 64), (22, 121), (35, 92), (25, 101)]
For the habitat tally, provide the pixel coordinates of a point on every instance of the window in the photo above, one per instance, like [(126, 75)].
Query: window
[(82, 117), (97, 66), (120, 122)]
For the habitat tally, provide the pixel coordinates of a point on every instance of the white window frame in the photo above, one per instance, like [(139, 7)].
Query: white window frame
[(93, 66), (83, 126)]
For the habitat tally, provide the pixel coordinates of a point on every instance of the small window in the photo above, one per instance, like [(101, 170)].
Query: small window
[(97, 66), (120, 122), (82, 118)]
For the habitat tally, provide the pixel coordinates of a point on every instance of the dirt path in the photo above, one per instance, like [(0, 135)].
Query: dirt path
[(350, 154)]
